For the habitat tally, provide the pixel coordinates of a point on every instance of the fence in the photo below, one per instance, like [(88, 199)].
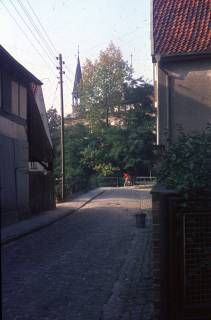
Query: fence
[(79, 184), (119, 181), (145, 181), (109, 181), (197, 265), (182, 257)]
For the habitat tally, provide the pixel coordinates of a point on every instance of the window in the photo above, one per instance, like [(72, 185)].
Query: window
[(6, 92), (22, 102), (33, 165), (15, 98)]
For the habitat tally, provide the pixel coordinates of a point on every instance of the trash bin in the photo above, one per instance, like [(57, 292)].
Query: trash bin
[(141, 220)]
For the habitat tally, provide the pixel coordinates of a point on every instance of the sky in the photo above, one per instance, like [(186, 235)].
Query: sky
[(62, 26)]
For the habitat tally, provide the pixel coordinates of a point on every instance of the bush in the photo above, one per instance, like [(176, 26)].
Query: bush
[(186, 164)]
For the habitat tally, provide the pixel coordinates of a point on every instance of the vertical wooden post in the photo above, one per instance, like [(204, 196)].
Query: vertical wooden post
[(61, 72)]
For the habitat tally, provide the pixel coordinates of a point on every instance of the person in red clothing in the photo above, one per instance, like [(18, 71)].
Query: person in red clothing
[(127, 179)]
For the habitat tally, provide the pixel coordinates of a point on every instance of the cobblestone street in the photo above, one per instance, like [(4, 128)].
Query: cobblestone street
[(93, 264)]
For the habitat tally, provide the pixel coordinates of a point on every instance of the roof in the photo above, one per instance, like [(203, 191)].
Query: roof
[(40, 148), (78, 77), (12, 66), (181, 27), (39, 98)]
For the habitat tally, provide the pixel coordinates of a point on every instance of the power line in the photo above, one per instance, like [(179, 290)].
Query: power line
[(25, 34), (41, 25), (54, 96), (49, 40), (68, 70), (68, 78), (31, 20), (46, 51), (121, 37)]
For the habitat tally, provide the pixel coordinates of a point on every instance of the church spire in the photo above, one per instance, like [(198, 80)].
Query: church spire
[(75, 93)]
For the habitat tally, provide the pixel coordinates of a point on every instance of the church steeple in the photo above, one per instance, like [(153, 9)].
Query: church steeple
[(75, 93)]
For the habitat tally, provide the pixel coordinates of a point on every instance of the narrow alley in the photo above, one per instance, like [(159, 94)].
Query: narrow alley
[(93, 264)]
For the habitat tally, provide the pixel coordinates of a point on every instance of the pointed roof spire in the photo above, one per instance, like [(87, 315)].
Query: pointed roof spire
[(78, 77)]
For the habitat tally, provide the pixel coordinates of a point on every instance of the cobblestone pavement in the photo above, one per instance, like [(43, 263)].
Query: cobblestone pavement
[(91, 265)]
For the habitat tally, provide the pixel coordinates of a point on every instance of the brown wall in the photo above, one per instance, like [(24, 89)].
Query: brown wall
[(185, 90)]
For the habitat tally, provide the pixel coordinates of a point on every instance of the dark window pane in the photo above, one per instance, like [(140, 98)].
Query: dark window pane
[(6, 93)]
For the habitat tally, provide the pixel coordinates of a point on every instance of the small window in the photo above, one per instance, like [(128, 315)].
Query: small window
[(6, 92), (33, 165), (15, 98), (22, 102)]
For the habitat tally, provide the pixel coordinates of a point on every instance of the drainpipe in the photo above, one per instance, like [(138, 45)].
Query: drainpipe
[(168, 107), (155, 78)]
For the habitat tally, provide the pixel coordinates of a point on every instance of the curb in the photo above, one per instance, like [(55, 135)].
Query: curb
[(47, 221)]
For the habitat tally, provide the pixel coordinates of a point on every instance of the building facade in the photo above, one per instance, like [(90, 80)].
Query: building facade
[(181, 54), (21, 125)]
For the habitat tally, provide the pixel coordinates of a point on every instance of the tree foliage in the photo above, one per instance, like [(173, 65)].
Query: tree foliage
[(108, 89), (54, 120), (129, 146), (103, 84), (186, 164)]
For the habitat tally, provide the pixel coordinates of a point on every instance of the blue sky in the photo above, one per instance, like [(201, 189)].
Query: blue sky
[(91, 24)]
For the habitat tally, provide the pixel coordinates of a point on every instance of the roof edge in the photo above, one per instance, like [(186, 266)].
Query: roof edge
[(5, 55), (152, 27), (180, 56)]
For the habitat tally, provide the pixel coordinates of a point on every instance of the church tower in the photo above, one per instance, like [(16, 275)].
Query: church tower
[(75, 93)]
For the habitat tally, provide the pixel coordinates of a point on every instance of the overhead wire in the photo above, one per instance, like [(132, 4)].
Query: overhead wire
[(43, 44), (50, 46), (44, 30), (121, 37), (25, 34), (54, 96), (68, 77), (31, 20), (33, 34)]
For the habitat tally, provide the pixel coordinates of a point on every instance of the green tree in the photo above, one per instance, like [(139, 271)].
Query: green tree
[(129, 146), (140, 122), (185, 165), (76, 140), (54, 123), (103, 84), (54, 120), (99, 148)]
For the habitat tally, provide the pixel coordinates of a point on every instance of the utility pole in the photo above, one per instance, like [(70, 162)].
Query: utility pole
[(61, 72), (131, 60)]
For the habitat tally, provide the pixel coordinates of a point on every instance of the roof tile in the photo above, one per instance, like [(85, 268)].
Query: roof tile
[(181, 26)]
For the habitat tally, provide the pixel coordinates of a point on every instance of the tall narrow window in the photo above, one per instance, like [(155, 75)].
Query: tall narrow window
[(15, 98), (22, 102), (6, 93)]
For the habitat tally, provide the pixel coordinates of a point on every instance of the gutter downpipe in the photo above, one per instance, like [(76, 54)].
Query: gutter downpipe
[(168, 100), (168, 108)]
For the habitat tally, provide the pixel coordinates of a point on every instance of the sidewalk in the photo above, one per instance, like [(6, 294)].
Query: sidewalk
[(41, 220)]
